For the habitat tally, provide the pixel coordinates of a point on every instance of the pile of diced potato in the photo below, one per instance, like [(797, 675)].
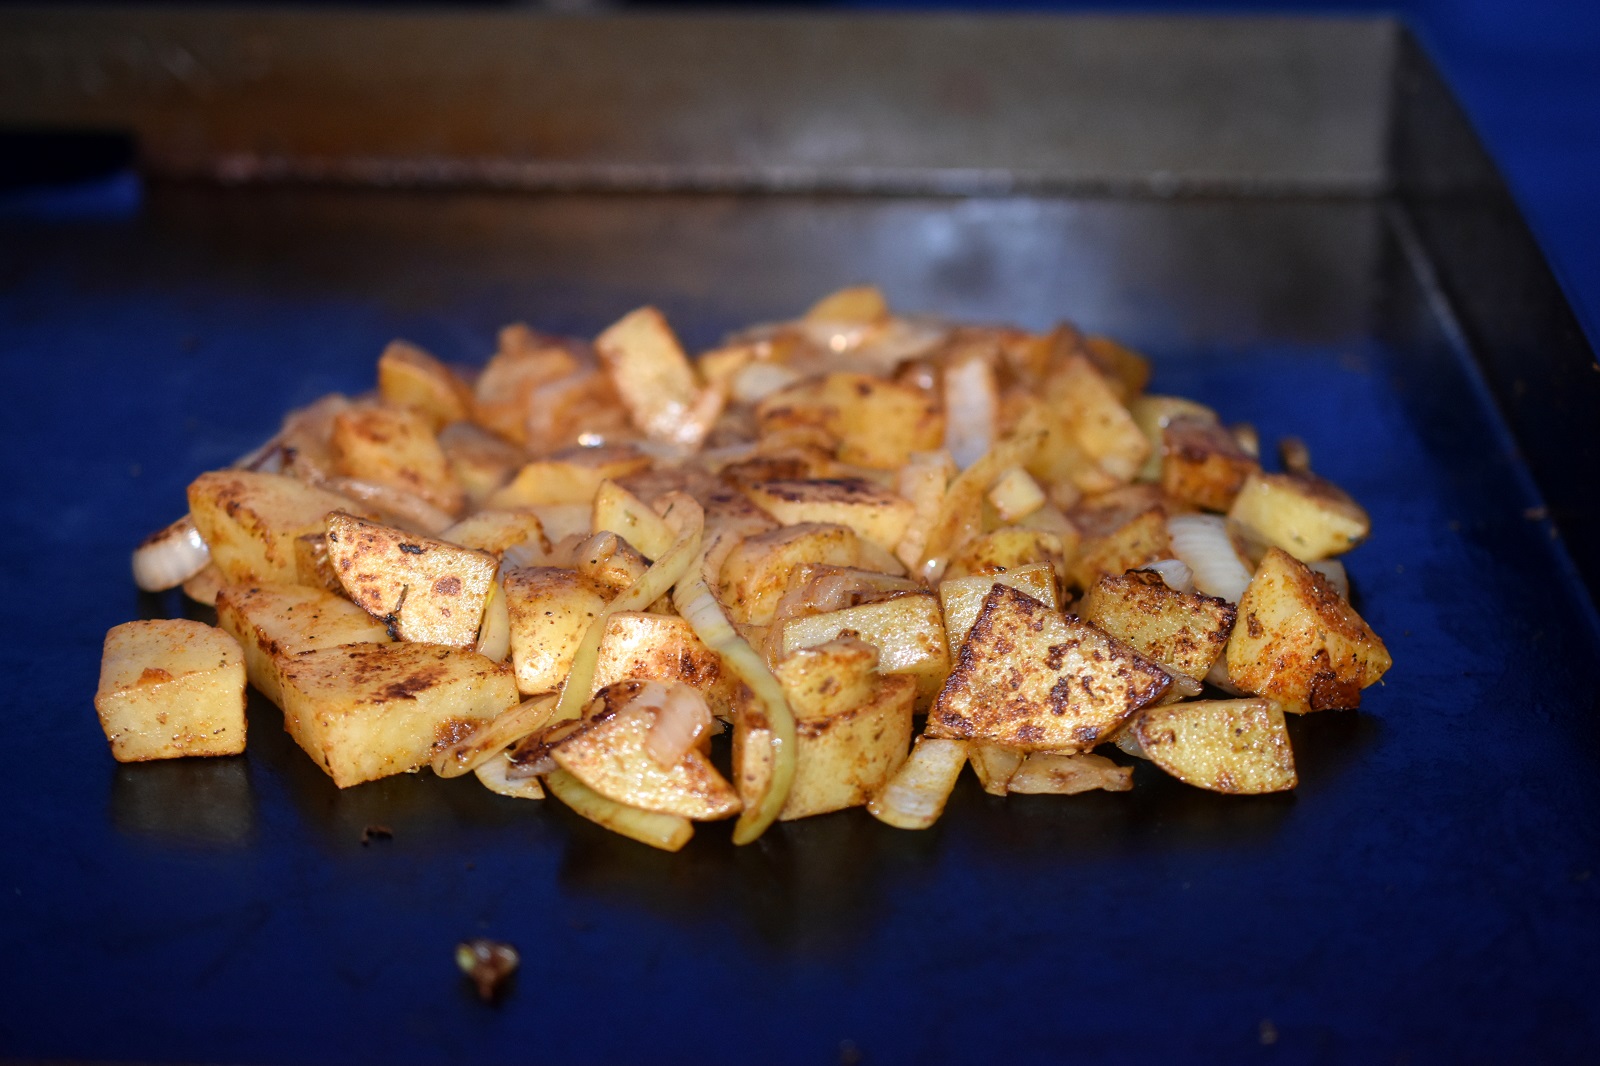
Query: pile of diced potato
[(873, 548)]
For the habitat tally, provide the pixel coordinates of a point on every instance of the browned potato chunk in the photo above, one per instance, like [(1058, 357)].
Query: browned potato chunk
[(873, 512), (660, 647), (272, 621), (756, 573), (1012, 548), (480, 461), (572, 476), (1058, 774), (843, 758), (311, 566), (1183, 631), (907, 629), (616, 510), (657, 383), (1098, 422), (610, 755), (830, 678), (1202, 464), (396, 447), (962, 597), (250, 521), (574, 409), (550, 611), (365, 711), (1152, 414), (1307, 517), (504, 395), (1125, 370), (1299, 643), (1237, 746), (410, 377), (858, 304), (496, 531), (1030, 679), (878, 423), (1140, 540), (171, 688), (430, 591)]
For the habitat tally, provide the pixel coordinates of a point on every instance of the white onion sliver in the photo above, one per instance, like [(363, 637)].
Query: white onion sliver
[(1219, 677), (1175, 572), (971, 404), (168, 558), (1332, 571), (494, 634), (682, 718), (759, 380), (1201, 541)]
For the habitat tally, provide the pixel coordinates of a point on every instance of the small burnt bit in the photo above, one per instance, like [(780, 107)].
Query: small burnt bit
[(376, 832), (452, 731), (450, 585), (412, 549), (1253, 626), (1329, 692), (418, 681)]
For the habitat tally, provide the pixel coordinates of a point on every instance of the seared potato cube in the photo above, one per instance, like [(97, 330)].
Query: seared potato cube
[(396, 447), (311, 566), (480, 461), (843, 758), (657, 383), (1125, 370), (430, 591), (1030, 679), (1202, 464), (830, 678), (1099, 423), (756, 573), (877, 423), (1297, 642), (1016, 495), (1307, 517), (171, 688), (1183, 631), (875, 513), (962, 597), (551, 609), (1012, 548), (250, 521), (1140, 540), (1237, 746), (504, 395), (1058, 774), (861, 305), (572, 476), (272, 621), (907, 629), (661, 647), (495, 531), (410, 377), (365, 711), (1152, 414), (616, 510)]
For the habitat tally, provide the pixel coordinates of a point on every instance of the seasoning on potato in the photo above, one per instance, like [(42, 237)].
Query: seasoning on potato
[(866, 548)]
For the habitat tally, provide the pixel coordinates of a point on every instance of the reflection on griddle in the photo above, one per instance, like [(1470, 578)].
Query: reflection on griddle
[(204, 802)]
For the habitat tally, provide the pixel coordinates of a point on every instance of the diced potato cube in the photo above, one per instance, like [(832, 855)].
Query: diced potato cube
[(311, 565), (1202, 464), (873, 512), (480, 461), (830, 678), (272, 621), (1060, 774), (550, 611), (495, 531), (365, 711), (994, 766), (250, 521), (395, 446), (1299, 643), (1152, 414), (1016, 495), (576, 409), (1030, 679), (657, 383), (410, 377), (1126, 370), (1097, 419), (171, 688), (609, 754), (572, 476), (1183, 631), (503, 396), (962, 597), (1237, 746), (842, 759), (661, 647), (878, 423), (915, 796), (430, 591), (756, 573), (1140, 540), (1012, 548), (907, 630), (1307, 517), (619, 511)]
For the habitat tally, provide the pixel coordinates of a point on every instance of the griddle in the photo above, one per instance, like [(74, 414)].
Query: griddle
[(1291, 217)]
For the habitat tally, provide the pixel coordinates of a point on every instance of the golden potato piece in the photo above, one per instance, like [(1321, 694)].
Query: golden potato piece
[(171, 688), (1060, 774), (1237, 746), (830, 678), (660, 647), (272, 621), (843, 758), (610, 756), (571, 476), (616, 510), (1297, 642), (877, 423), (1016, 495), (861, 304), (480, 461), (311, 565), (1202, 463), (395, 446), (551, 609), (429, 591), (1307, 517), (1183, 631), (503, 397), (907, 629), (365, 711), (875, 513), (756, 573), (250, 521), (1152, 414), (657, 383), (495, 531), (410, 377), (1126, 370), (1098, 422), (915, 796), (962, 597), (1012, 548), (1140, 540), (994, 766), (1030, 679)]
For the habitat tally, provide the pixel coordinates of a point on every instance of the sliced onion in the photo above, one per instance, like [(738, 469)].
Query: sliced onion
[(487, 741), (1183, 687), (494, 635), (1175, 572), (396, 505), (1333, 572), (1202, 542), (757, 381), (204, 586), (494, 775), (971, 405), (683, 718), (169, 557)]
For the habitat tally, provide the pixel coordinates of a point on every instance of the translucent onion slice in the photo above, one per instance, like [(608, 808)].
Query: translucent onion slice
[(1175, 572), (914, 797), (683, 718), (502, 731), (687, 519), (492, 775), (962, 506), (972, 406), (169, 557), (1202, 542), (757, 381), (1333, 572), (669, 832), (494, 635), (1220, 678)]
